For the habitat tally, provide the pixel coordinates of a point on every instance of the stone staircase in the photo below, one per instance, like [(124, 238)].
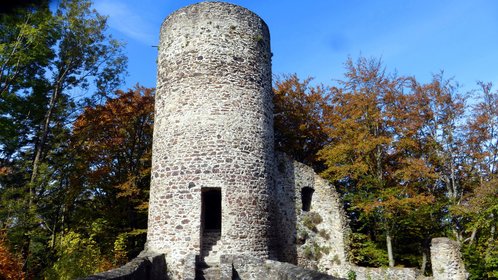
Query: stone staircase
[(208, 273), (211, 246), (208, 267)]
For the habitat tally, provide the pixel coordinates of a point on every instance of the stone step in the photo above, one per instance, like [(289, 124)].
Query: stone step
[(212, 260), (212, 256), (211, 237), (210, 273), (205, 271), (211, 245)]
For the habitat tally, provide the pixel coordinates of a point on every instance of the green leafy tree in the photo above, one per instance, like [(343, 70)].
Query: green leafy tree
[(78, 256), (46, 61), (479, 207)]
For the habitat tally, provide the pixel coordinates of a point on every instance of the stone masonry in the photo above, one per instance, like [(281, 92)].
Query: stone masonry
[(446, 260), (213, 131), (223, 204), (314, 237)]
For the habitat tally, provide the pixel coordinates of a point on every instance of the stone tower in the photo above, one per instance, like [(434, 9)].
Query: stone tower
[(213, 152)]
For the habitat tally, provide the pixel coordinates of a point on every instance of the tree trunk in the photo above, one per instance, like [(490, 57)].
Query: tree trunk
[(39, 149), (493, 227), (423, 267), (44, 134), (389, 249), (473, 236), (41, 144), (426, 254)]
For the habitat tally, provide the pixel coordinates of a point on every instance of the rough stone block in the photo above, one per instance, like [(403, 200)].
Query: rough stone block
[(446, 259)]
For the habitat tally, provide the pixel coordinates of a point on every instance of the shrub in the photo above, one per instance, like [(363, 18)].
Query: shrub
[(77, 257), (10, 264), (324, 234), (311, 219)]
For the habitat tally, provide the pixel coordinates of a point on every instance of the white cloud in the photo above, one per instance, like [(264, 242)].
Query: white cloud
[(127, 21)]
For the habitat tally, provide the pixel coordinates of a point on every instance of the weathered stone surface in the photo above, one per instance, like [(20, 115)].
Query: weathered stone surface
[(213, 153), (280, 270), (145, 266), (189, 268), (391, 273), (319, 246), (213, 129), (447, 260), (251, 268)]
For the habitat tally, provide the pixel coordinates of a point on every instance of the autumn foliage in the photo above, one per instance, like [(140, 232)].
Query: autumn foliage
[(412, 160), (112, 144), (299, 119), (114, 141), (10, 264)]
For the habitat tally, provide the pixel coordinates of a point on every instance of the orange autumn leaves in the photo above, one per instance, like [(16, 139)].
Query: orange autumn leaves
[(366, 130), (114, 141), (299, 124), (10, 264), (390, 144)]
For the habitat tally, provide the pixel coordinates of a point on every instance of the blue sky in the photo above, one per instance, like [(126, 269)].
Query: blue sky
[(314, 38)]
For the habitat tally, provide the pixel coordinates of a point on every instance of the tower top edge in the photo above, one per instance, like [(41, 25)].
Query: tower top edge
[(205, 6)]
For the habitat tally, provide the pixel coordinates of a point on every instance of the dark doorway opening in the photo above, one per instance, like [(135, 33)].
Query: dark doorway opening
[(211, 209), (306, 196)]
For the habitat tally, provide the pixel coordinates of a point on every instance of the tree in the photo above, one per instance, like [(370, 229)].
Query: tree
[(10, 264), (78, 257), (356, 155), (25, 51), (84, 53), (440, 136), (479, 205), (112, 144), (46, 61), (11, 6), (366, 155), (299, 129)]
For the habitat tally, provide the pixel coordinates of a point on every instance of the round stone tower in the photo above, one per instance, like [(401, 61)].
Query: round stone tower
[(213, 136)]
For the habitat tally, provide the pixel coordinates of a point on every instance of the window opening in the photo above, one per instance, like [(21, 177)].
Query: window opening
[(306, 197)]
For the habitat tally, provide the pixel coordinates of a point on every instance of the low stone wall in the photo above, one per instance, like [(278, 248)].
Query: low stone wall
[(250, 268), (391, 273), (144, 266)]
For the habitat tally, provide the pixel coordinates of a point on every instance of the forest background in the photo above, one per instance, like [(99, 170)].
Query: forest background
[(411, 160)]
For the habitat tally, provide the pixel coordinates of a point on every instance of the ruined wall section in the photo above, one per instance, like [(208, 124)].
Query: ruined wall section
[(213, 129), (315, 238), (446, 260), (250, 268), (387, 273)]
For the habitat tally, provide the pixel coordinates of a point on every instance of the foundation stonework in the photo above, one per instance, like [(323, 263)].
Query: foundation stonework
[(223, 204)]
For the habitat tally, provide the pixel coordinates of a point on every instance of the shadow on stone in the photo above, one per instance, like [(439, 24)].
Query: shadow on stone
[(144, 266)]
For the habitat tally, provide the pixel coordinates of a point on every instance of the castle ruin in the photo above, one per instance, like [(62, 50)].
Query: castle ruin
[(223, 203)]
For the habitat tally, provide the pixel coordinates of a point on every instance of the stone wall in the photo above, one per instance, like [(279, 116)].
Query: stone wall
[(384, 273), (213, 137), (250, 268), (144, 266), (213, 129), (446, 260), (314, 237)]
